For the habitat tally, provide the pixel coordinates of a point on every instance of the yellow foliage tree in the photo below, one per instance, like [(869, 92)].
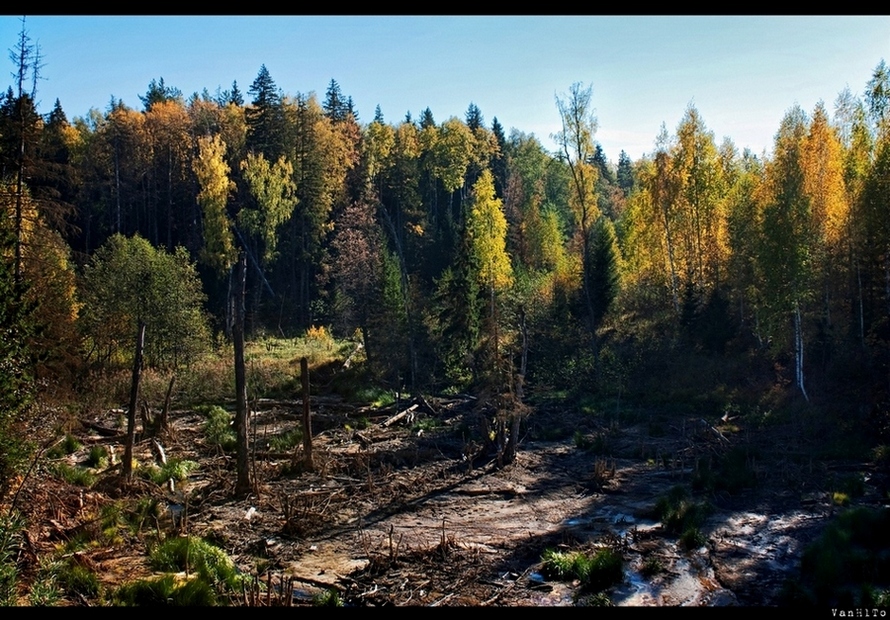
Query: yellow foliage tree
[(213, 178)]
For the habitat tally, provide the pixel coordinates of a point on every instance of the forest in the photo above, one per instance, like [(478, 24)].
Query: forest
[(175, 261)]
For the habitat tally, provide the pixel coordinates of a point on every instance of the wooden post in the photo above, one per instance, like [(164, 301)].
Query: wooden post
[(307, 424), (242, 483), (127, 467)]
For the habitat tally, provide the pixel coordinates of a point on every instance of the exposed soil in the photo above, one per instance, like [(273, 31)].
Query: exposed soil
[(410, 513)]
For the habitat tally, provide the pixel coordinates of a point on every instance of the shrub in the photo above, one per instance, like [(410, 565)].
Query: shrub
[(218, 429)]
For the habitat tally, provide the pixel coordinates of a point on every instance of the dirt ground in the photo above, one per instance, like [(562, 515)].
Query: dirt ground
[(409, 512)]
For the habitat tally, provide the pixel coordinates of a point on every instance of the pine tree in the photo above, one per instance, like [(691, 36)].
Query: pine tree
[(265, 117)]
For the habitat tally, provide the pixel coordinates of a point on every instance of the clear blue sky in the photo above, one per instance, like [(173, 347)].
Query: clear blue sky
[(742, 73)]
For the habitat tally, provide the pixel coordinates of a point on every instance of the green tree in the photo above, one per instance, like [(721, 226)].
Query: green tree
[(575, 140), (127, 282), (786, 254), (16, 364), (265, 117), (487, 236)]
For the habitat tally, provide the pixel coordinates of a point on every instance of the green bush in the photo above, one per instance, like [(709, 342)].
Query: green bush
[(128, 278)]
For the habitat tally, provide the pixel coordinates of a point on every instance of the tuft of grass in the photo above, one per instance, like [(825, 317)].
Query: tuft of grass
[(78, 580), (678, 513), (692, 539), (328, 598), (651, 567), (166, 590), (69, 445), (44, 590), (595, 572), (287, 440), (98, 457), (178, 469), (426, 425), (77, 476), (374, 396), (11, 526), (199, 556)]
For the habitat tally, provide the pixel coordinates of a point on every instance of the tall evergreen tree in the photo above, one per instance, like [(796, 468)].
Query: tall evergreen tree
[(265, 117)]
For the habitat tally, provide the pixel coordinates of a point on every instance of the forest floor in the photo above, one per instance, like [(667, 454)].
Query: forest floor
[(405, 512)]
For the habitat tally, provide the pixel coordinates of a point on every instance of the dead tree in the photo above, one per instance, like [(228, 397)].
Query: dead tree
[(307, 423), (127, 467)]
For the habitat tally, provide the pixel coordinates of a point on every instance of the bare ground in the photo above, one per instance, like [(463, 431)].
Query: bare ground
[(411, 513)]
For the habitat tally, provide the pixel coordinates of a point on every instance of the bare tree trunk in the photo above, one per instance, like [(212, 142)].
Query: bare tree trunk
[(163, 425), (242, 484), (307, 421), (127, 467), (798, 351)]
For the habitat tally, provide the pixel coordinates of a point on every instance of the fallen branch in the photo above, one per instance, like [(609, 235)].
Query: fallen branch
[(399, 416)]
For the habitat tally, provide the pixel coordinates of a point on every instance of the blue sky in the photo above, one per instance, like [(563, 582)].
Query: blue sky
[(742, 73)]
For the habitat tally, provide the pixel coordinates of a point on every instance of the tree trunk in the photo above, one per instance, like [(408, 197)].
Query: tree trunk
[(307, 422), (127, 467), (798, 351), (242, 484), (163, 424)]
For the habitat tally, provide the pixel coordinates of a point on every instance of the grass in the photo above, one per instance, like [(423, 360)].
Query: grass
[(69, 445), (78, 580), (286, 441), (178, 469), (595, 572), (651, 567), (849, 565), (375, 397), (98, 457), (679, 514), (166, 590), (197, 555), (11, 526), (77, 476), (328, 598), (426, 425)]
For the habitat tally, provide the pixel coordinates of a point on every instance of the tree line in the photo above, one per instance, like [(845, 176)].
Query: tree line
[(463, 257)]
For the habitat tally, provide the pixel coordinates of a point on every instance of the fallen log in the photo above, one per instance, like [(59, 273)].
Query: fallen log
[(400, 416)]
